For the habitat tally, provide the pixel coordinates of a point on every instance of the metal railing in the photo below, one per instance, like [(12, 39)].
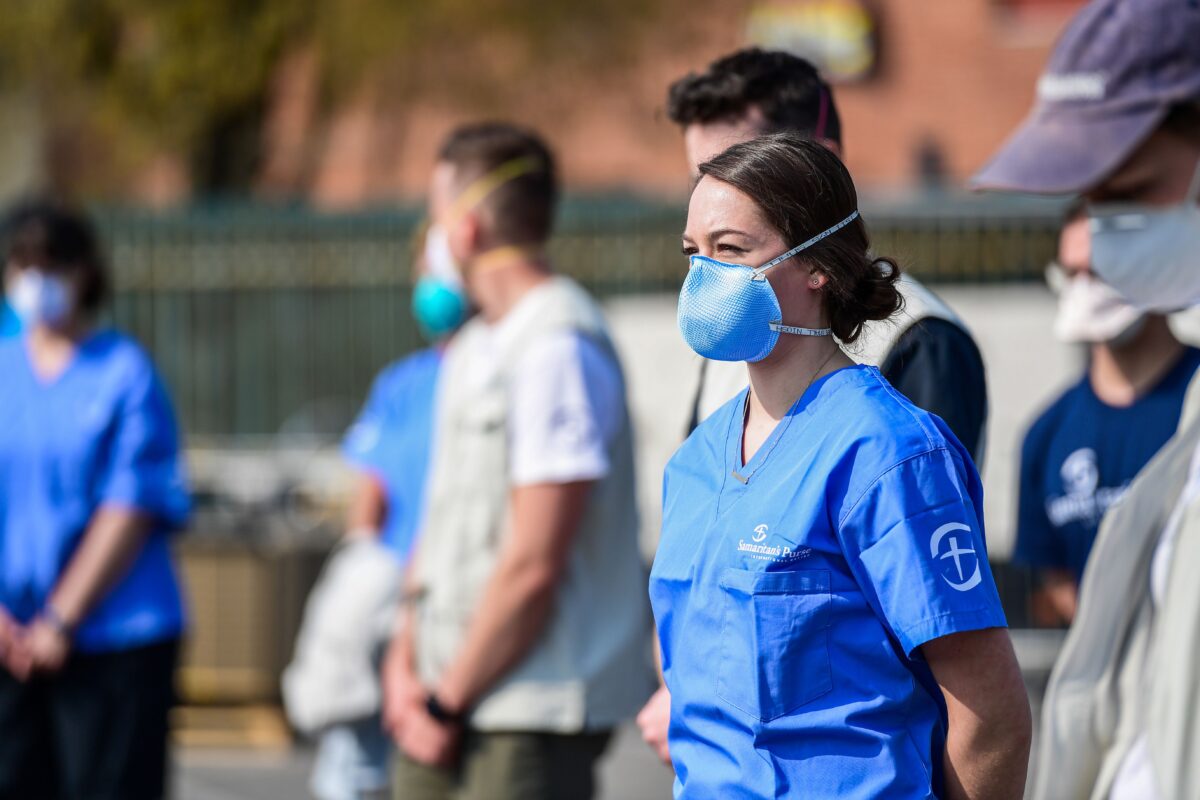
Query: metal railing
[(275, 320)]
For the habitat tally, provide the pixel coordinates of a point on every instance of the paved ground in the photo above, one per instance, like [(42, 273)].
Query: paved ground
[(629, 772)]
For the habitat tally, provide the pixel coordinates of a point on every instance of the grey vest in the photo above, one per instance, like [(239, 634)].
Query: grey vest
[(1128, 668), (590, 669)]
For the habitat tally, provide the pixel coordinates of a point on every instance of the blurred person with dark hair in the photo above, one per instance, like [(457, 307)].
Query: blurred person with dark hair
[(332, 687), (828, 621), (1081, 453), (924, 350), (524, 641), (91, 485), (1117, 121)]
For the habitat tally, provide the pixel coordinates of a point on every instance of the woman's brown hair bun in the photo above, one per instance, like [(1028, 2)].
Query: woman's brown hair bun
[(873, 297)]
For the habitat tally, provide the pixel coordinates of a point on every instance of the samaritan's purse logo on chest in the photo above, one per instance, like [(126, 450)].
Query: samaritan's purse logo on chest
[(761, 550)]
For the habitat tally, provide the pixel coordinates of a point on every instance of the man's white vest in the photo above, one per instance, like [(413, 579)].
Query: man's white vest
[(590, 669)]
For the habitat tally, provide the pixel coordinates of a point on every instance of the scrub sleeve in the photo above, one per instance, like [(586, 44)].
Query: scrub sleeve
[(922, 569)]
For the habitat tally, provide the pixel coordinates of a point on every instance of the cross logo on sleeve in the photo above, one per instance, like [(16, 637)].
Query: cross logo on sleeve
[(961, 555)]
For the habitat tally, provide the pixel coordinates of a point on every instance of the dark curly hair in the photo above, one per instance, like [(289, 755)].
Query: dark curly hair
[(787, 90), (803, 189)]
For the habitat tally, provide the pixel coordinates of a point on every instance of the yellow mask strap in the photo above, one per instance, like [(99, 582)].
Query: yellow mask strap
[(502, 257), (483, 186)]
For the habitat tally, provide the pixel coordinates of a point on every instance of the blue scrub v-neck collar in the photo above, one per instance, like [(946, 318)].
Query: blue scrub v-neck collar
[(54, 381), (741, 474)]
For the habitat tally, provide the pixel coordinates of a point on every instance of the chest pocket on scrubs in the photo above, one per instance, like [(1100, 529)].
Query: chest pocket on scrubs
[(774, 641)]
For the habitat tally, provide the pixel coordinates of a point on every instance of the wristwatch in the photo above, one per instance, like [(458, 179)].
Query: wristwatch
[(51, 615), (440, 712)]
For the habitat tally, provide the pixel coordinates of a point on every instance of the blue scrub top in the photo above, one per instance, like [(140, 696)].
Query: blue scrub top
[(9, 324), (1079, 458), (791, 595), (100, 434), (391, 440)]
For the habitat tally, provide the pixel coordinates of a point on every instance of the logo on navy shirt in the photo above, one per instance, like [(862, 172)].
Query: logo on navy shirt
[(1084, 499), (961, 556)]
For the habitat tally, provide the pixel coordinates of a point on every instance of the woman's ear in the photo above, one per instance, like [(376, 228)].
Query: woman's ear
[(817, 280)]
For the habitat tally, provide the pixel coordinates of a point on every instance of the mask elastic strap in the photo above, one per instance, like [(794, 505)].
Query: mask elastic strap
[(474, 194), (760, 274), (775, 326), (502, 257)]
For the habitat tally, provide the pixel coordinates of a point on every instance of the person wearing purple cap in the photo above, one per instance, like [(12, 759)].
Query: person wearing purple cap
[(1118, 122)]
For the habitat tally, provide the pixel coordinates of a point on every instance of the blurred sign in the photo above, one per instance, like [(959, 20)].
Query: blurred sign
[(838, 36)]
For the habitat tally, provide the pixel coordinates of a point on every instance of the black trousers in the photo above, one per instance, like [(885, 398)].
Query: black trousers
[(97, 730)]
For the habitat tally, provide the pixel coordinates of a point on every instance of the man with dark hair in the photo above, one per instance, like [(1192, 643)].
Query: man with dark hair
[(751, 92), (524, 642), (520, 207), (1116, 122), (924, 351)]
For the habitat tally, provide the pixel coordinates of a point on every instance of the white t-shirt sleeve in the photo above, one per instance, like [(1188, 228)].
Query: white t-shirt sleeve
[(566, 405)]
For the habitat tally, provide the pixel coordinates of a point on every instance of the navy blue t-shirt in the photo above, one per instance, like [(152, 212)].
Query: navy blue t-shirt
[(1078, 459)]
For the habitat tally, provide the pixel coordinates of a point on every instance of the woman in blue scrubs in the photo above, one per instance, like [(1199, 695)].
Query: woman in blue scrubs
[(828, 622), (90, 487)]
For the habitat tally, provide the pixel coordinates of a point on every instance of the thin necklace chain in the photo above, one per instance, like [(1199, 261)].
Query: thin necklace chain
[(813, 379)]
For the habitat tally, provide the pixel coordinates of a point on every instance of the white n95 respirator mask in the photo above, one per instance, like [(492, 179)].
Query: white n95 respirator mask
[(1090, 311)]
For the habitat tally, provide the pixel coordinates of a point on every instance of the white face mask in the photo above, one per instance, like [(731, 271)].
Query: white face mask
[(38, 298), (1092, 312), (1150, 255)]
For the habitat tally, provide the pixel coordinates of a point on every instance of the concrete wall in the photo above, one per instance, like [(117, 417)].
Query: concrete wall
[(1026, 369)]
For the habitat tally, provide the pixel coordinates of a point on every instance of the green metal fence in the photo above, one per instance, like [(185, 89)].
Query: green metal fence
[(275, 320)]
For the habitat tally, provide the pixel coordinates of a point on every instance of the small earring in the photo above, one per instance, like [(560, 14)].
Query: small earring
[(816, 282)]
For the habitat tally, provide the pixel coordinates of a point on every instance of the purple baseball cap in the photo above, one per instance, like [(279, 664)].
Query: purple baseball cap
[(1114, 74)]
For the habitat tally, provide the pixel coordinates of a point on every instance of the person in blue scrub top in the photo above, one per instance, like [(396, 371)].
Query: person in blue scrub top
[(828, 622), (389, 448), (389, 443), (90, 489), (9, 324)]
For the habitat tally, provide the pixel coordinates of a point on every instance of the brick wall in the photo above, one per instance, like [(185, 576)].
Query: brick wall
[(957, 75)]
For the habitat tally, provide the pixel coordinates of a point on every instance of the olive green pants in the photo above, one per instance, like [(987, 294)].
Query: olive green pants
[(509, 766)]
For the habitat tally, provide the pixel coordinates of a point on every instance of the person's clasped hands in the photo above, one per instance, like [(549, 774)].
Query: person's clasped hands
[(407, 718), (26, 650)]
